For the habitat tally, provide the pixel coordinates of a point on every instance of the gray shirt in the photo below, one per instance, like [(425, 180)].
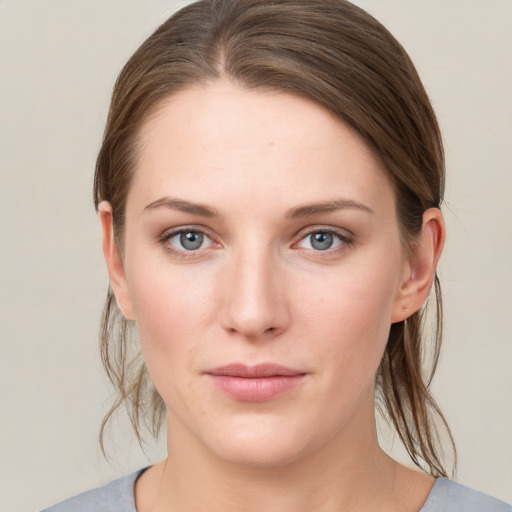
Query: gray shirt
[(118, 496)]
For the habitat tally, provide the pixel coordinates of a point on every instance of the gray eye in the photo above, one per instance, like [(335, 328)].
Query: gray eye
[(321, 241), (191, 240)]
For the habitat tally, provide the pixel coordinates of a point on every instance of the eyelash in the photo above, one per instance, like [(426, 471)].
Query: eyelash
[(343, 241), (164, 240)]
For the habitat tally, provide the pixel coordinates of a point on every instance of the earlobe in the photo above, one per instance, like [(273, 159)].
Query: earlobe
[(114, 261), (421, 267)]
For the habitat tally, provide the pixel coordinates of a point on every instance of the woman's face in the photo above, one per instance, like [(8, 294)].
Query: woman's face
[(263, 267)]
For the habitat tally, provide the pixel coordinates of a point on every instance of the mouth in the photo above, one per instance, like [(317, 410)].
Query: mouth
[(257, 383)]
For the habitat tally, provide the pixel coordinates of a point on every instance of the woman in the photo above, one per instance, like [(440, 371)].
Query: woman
[(269, 187)]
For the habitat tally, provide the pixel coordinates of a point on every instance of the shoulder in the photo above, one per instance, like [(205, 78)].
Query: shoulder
[(115, 496), (448, 496)]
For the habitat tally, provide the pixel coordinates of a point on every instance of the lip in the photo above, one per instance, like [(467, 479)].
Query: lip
[(257, 383)]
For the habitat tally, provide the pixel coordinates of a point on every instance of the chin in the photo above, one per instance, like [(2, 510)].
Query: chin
[(263, 444), (272, 454)]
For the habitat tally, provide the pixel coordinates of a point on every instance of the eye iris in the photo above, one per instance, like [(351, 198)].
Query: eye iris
[(322, 241), (191, 240)]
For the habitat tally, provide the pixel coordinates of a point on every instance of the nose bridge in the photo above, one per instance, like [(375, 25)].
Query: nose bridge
[(254, 302)]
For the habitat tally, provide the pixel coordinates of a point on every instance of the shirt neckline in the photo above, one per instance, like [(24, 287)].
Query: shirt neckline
[(132, 479)]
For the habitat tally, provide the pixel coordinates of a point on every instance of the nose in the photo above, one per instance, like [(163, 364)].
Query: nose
[(254, 302)]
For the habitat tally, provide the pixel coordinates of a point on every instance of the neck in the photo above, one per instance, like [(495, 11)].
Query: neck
[(348, 473)]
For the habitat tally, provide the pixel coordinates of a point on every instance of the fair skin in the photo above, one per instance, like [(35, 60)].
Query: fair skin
[(260, 229)]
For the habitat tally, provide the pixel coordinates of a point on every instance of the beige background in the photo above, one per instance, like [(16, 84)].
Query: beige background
[(58, 61)]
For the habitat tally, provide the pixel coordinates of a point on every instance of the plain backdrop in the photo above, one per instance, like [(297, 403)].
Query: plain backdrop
[(58, 62)]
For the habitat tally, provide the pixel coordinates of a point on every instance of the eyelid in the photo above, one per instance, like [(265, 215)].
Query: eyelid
[(170, 233), (320, 228), (345, 236)]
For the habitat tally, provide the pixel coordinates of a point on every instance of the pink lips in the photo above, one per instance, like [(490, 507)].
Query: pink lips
[(255, 383)]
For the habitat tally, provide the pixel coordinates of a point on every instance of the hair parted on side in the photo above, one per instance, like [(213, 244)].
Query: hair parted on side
[(337, 55)]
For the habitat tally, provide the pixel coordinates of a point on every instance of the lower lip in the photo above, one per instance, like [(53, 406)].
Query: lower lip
[(258, 389)]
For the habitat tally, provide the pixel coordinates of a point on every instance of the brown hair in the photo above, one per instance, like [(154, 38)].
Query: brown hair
[(337, 55)]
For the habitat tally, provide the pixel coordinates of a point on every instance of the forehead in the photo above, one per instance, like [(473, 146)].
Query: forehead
[(285, 148)]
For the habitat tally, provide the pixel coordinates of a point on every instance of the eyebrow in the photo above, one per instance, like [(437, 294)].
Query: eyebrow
[(183, 206), (297, 212), (308, 210)]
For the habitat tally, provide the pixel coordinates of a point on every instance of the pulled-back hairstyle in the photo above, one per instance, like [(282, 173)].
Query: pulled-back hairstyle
[(337, 55)]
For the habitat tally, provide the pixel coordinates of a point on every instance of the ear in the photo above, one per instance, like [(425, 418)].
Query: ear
[(114, 261), (419, 270)]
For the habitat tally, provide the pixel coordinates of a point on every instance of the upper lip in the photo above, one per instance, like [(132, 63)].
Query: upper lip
[(254, 371)]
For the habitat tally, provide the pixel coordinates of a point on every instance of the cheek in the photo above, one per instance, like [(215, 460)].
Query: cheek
[(339, 317), (170, 317), (172, 309), (352, 320)]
